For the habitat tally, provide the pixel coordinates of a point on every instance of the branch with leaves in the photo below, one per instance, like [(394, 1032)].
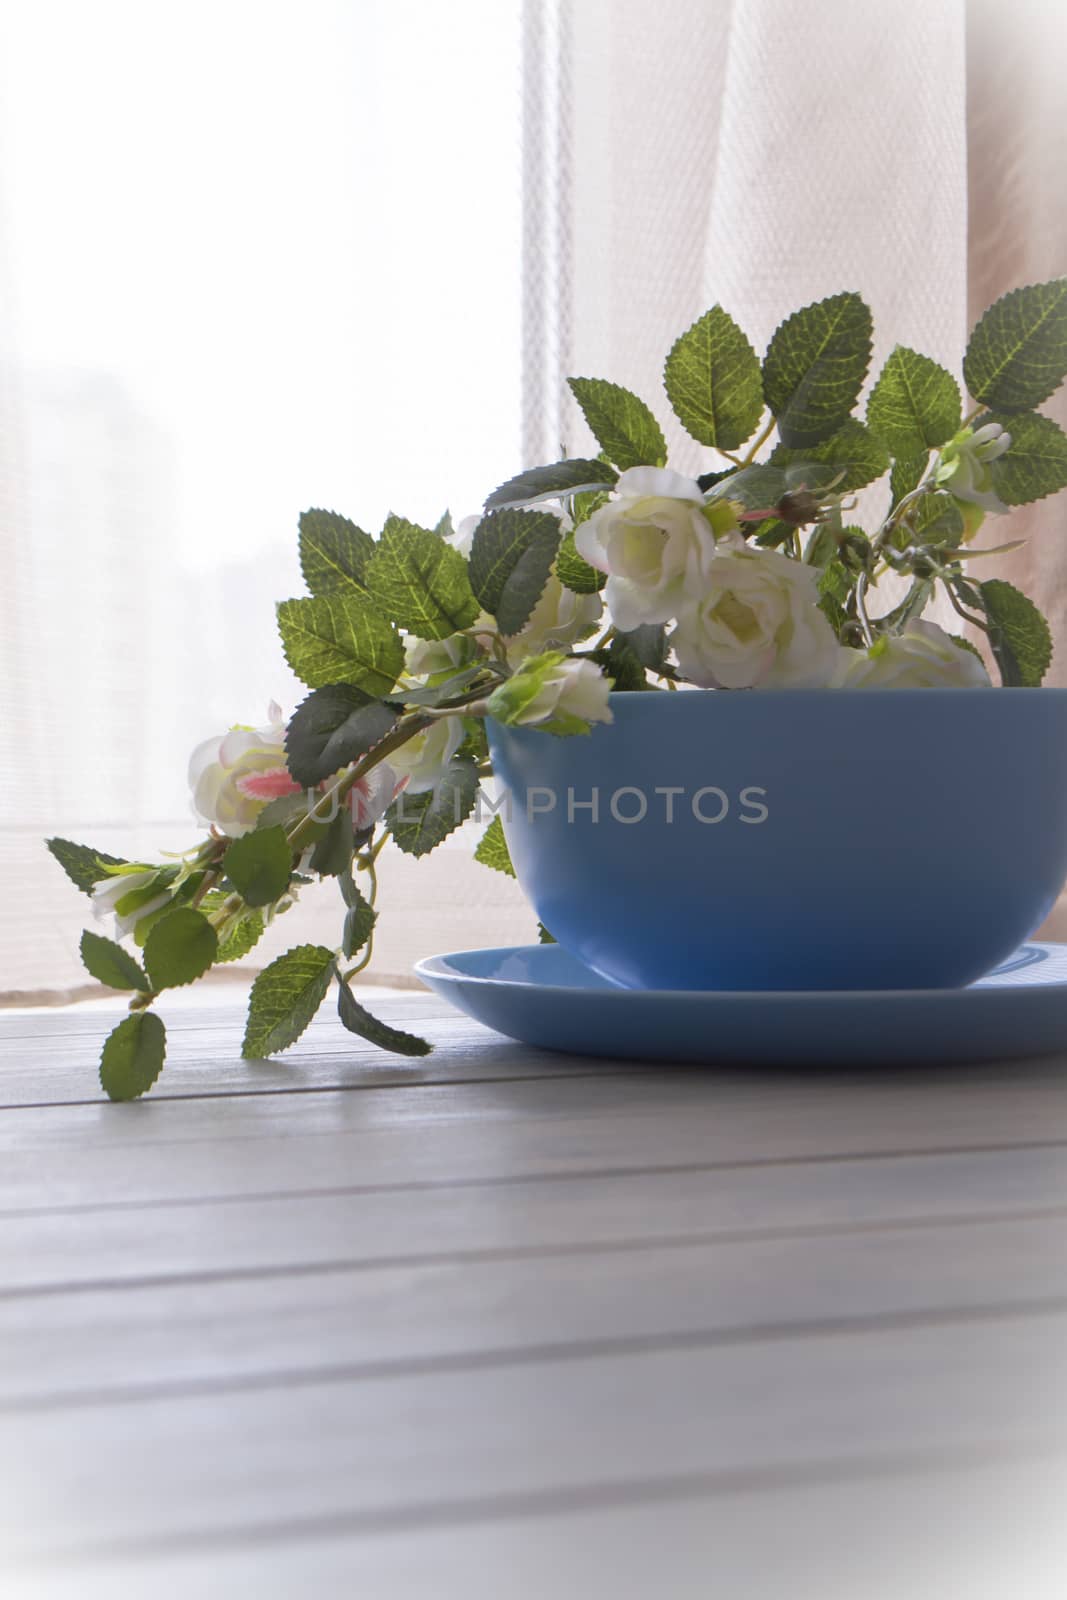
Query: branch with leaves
[(583, 576)]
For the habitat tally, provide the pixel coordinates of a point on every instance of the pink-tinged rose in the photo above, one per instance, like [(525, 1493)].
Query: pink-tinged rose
[(234, 775)]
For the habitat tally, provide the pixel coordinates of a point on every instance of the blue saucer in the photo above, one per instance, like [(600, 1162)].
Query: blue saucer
[(541, 995)]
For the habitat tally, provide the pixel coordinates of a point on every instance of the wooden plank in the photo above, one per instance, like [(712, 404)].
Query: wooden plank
[(455, 1445), (207, 1062), (401, 1319), (507, 1130), (190, 1011), (90, 1243), (983, 1530)]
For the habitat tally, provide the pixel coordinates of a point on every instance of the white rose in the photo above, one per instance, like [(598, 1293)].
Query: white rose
[(559, 618), (234, 775), (653, 541), (562, 695), (921, 656), (756, 622), (420, 763)]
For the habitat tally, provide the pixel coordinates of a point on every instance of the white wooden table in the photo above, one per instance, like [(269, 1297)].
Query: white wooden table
[(502, 1323)]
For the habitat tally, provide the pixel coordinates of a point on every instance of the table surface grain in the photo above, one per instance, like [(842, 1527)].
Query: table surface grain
[(507, 1323)]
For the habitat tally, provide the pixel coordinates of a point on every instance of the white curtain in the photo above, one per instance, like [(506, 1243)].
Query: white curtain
[(253, 259)]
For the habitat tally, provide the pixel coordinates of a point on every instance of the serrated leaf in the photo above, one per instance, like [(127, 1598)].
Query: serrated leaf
[(1034, 464), (435, 694), (543, 935), (933, 519), (1017, 355), (359, 1021), (84, 866), (574, 572), (133, 1056), (420, 582), (333, 552), (906, 475), (285, 811), (914, 406), (284, 998), (244, 937), (493, 850), (622, 664), (622, 425), (759, 487), (110, 964), (340, 638), (849, 460), (360, 918), (333, 851), (511, 557), (1019, 636), (835, 585), (179, 948), (444, 528), (550, 483), (332, 728), (815, 366), (259, 866), (712, 378), (419, 822)]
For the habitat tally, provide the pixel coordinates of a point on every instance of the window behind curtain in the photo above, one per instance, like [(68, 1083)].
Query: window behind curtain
[(253, 257)]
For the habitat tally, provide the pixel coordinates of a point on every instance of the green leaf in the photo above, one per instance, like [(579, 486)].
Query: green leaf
[(180, 946), (444, 527), (835, 585), (332, 728), (1019, 636), (574, 572), (511, 558), (360, 918), (259, 866), (435, 694), (759, 487), (84, 866), (244, 937), (543, 935), (1034, 464), (623, 426), (284, 998), (851, 458), (420, 582), (356, 1020), (109, 963), (622, 664), (549, 483), (933, 519), (333, 852), (333, 552), (907, 474), (133, 1056), (1017, 356), (285, 811), (815, 366), (493, 850), (914, 406), (340, 638), (712, 378), (419, 822)]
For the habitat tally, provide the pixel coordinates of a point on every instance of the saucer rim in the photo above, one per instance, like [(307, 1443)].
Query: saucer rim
[(430, 967)]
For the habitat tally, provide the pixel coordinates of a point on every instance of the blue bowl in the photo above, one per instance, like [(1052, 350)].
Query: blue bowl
[(794, 839)]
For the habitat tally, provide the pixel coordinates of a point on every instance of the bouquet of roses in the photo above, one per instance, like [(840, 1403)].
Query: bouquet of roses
[(582, 577)]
